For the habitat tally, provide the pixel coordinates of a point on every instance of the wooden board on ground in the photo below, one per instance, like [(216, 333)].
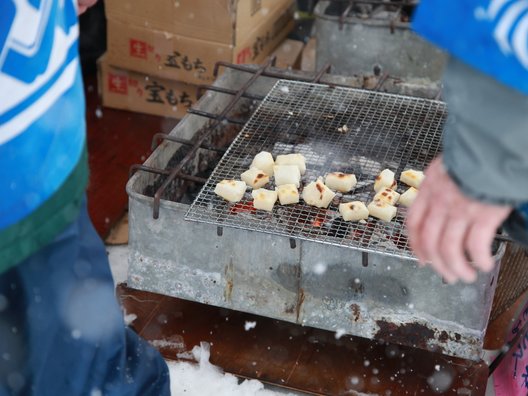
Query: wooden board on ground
[(296, 357), (288, 54), (119, 233), (308, 58)]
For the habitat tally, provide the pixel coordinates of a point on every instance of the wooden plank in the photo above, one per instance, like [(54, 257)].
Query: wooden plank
[(288, 54), (119, 233), (297, 357), (308, 58)]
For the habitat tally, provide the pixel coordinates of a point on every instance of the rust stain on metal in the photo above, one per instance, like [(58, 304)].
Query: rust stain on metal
[(409, 333), (229, 281), (300, 301), (356, 312), (228, 290)]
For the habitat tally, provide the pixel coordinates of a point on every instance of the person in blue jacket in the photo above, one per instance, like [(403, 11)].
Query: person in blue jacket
[(61, 328), (480, 182)]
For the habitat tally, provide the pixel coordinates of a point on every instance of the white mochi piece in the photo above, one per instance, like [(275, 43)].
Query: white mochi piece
[(387, 195), (231, 190), (255, 177), (382, 210), (354, 211), (408, 197), (343, 182), (317, 194), (385, 180), (288, 194), (264, 199), (287, 174), (264, 161), (412, 178), (292, 159)]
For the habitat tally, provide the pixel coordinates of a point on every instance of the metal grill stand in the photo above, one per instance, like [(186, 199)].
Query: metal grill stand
[(362, 293)]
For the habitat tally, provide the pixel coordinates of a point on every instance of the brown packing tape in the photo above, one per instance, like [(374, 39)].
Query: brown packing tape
[(221, 21), (188, 59), (129, 90)]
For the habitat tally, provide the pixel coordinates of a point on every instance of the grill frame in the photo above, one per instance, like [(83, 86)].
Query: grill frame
[(394, 302), (384, 130)]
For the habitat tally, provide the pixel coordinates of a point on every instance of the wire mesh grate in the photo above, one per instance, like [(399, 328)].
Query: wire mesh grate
[(337, 130)]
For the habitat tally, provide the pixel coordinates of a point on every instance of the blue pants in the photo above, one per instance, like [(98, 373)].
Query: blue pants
[(62, 331)]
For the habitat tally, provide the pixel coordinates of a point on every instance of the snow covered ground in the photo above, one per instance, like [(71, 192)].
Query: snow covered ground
[(205, 379)]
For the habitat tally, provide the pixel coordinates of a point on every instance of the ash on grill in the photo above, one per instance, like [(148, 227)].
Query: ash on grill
[(336, 129), (398, 10), (185, 191)]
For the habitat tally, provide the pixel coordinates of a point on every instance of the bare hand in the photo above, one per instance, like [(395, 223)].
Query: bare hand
[(444, 225), (83, 5)]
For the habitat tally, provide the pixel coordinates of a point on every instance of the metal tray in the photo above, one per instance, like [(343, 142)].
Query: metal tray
[(336, 129)]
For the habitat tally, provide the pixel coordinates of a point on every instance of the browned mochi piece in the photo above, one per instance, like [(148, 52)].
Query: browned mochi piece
[(317, 194), (255, 177), (342, 182), (387, 195), (382, 210), (353, 211), (231, 190)]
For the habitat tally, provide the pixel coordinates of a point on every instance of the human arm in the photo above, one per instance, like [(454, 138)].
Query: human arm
[(482, 175), (83, 5)]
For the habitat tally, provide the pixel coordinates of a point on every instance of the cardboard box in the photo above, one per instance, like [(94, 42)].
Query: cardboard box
[(128, 90), (223, 21), (188, 59), (289, 54)]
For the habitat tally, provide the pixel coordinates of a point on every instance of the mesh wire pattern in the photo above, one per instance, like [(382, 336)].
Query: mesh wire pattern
[(337, 130)]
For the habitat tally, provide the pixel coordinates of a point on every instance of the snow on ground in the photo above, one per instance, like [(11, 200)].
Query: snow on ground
[(204, 379), (118, 258)]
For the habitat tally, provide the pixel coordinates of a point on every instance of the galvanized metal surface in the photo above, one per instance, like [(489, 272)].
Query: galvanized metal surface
[(375, 45), (317, 285), (381, 131), (312, 284)]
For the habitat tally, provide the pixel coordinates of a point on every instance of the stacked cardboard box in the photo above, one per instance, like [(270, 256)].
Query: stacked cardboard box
[(159, 50)]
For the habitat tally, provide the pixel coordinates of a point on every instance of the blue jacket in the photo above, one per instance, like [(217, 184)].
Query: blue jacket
[(489, 35), (42, 130), (485, 141)]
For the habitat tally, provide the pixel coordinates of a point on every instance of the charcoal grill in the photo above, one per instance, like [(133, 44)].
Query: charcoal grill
[(336, 129), (372, 290), (375, 37)]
